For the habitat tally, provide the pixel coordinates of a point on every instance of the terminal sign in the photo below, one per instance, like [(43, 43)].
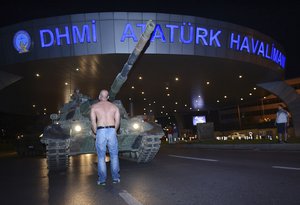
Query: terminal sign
[(186, 33)]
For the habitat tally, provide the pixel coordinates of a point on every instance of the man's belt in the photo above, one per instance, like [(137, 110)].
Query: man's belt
[(104, 127)]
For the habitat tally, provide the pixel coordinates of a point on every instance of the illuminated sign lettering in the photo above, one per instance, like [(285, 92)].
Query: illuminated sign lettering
[(188, 34), (68, 35), (256, 47), (185, 33)]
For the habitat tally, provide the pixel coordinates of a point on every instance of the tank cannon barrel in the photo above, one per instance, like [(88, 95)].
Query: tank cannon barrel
[(122, 76)]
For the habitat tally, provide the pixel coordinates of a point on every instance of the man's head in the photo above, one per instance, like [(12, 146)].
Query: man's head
[(103, 96)]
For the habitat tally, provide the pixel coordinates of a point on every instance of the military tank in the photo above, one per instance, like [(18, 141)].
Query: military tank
[(70, 132)]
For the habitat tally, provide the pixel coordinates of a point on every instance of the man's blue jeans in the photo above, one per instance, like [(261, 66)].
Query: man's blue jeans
[(107, 137)]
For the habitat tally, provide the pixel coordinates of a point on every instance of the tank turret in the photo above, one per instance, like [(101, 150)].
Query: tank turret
[(70, 132)]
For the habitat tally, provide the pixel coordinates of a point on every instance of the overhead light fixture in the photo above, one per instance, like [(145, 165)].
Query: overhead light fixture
[(37, 75)]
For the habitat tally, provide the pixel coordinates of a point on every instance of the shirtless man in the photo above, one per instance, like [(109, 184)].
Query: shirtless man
[(105, 119)]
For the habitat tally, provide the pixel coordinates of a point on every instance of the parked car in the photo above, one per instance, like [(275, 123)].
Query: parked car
[(237, 135)]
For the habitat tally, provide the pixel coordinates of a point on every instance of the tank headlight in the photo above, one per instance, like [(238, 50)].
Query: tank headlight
[(136, 126), (77, 128)]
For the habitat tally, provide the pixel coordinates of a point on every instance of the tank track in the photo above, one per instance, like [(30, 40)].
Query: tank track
[(148, 148), (57, 151)]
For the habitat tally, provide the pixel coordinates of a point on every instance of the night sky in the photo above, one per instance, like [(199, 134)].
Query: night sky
[(277, 20)]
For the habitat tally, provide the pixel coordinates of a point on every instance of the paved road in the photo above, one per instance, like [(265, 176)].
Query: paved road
[(177, 176)]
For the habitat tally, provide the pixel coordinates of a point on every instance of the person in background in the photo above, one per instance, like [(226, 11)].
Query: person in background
[(170, 135), (282, 123)]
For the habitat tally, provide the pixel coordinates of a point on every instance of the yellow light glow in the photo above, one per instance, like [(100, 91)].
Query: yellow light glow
[(136, 125), (77, 128)]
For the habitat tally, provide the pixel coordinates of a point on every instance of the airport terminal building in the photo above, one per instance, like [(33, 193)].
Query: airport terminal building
[(216, 64)]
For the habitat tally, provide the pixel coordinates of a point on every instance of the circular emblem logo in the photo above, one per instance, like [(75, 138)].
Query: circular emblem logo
[(22, 41)]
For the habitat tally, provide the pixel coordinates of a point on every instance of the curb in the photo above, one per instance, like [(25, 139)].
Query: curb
[(269, 147)]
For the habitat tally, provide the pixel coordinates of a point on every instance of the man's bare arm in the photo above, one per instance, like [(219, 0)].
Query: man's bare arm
[(117, 118), (93, 120)]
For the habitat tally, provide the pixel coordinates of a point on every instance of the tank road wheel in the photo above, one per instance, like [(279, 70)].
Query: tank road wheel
[(148, 148), (58, 151)]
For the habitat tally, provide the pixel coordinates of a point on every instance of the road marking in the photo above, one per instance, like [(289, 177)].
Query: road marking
[(290, 168), (129, 199), (194, 158)]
